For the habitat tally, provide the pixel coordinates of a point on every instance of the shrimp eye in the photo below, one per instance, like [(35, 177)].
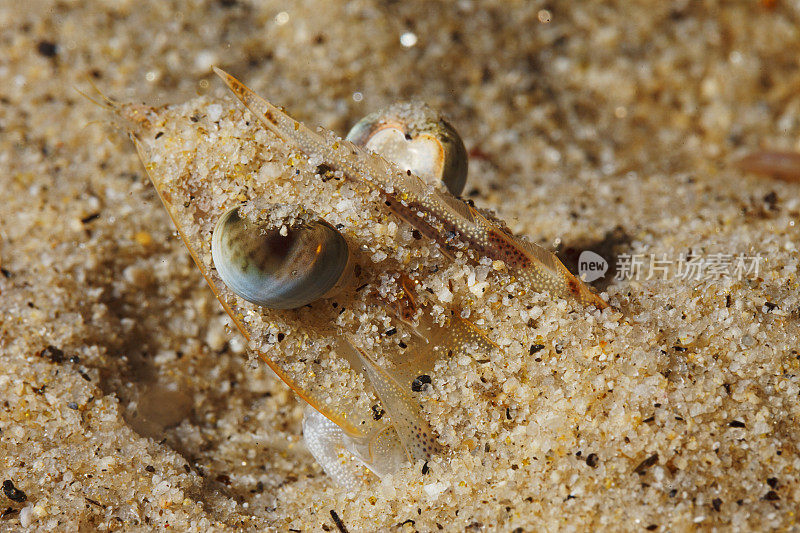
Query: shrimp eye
[(279, 268), (415, 137)]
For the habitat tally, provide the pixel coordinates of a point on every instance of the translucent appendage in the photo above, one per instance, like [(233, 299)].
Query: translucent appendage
[(343, 458), (326, 442)]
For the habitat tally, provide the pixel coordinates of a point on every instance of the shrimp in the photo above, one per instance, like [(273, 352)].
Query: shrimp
[(277, 266)]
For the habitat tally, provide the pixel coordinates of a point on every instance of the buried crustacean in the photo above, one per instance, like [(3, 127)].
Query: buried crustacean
[(280, 254)]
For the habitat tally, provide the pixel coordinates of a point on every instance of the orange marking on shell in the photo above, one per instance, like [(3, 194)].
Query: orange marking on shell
[(513, 256), (574, 287)]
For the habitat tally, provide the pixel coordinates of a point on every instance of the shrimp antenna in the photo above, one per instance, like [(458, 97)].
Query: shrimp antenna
[(107, 102)]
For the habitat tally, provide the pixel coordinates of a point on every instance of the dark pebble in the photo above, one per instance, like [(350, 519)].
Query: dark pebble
[(419, 382), (150, 468), (647, 463), (47, 48), (56, 355), (592, 460), (772, 496), (73, 406), (338, 522), (535, 348), (716, 503), (736, 424), (12, 492)]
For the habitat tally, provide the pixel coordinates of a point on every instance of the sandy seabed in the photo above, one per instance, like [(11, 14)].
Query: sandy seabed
[(127, 404)]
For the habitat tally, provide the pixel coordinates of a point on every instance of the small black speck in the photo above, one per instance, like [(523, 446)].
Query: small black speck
[(728, 300), (402, 345), (716, 503), (647, 463), (47, 48), (10, 511), (194, 118), (408, 172), (186, 467), (649, 419), (6, 273), (377, 412), (73, 406), (150, 468), (391, 331), (408, 138), (772, 496), (12, 492), (159, 134), (89, 218), (772, 482), (679, 349), (736, 424), (673, 493), (651, 527), (56, 355), (416, 234), (769, 306), (425, 468), (419, 382), (281, 336), (535, 348), (75, 359), (338, 522), (592, 460)]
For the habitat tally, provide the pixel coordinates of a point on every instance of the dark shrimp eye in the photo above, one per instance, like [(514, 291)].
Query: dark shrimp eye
[(415, 137), (279, 270)]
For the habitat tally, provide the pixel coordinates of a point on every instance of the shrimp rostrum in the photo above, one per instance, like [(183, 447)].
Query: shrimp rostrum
[(321, 250)]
